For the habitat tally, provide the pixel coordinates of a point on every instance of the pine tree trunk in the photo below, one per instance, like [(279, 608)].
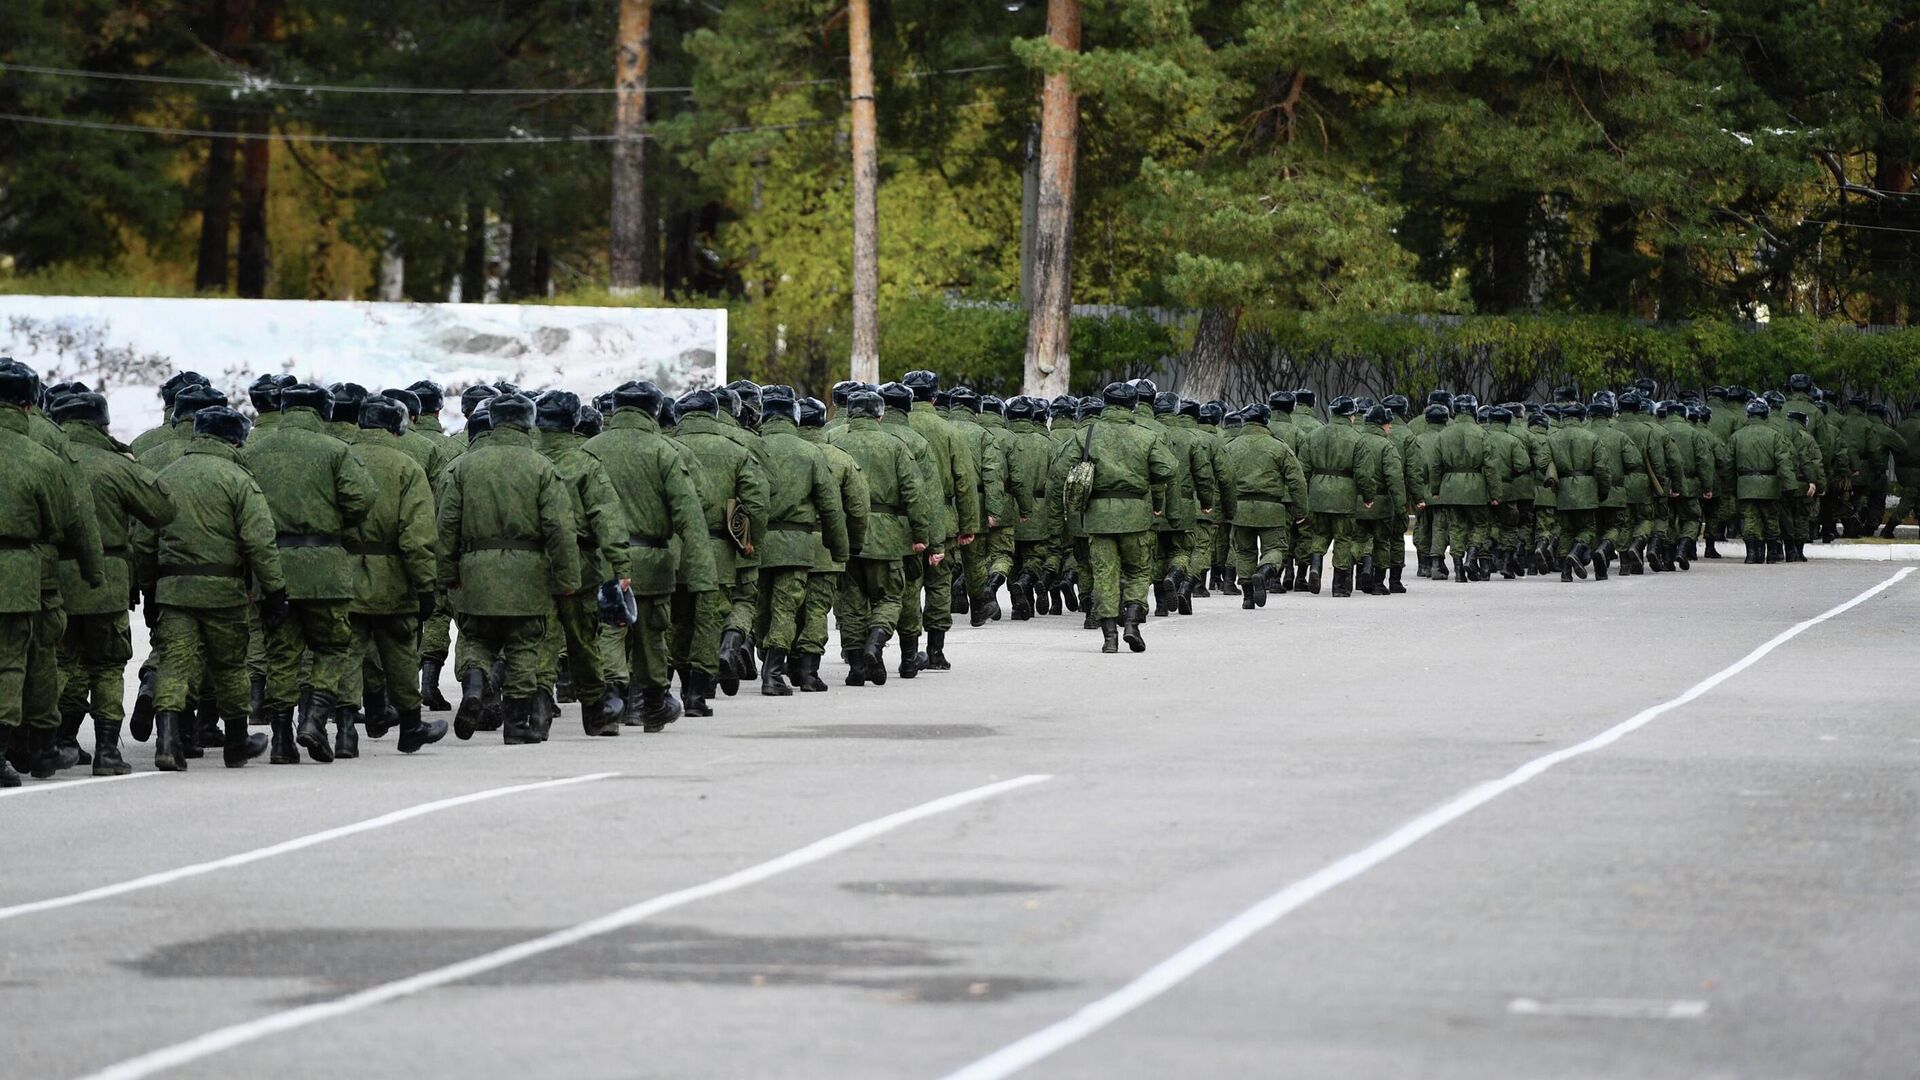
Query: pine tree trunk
[(866, 215), (628, 247), (254, 265), (216, 211), (1893, 158), (473, 263), (521, 246), (1049, 322), (1205, 374)]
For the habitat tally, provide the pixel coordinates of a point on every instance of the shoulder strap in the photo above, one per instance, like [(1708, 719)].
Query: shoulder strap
[(1086, 445)]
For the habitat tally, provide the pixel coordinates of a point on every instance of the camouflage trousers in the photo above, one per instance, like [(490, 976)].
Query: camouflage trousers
[(783, 592), (193, 641), (936, 583), (1254, 547), (1378, 539), (1123, 568), (437, 637), (1337, 531), (698, 618), (873, 592), (575, 631), (810, 639), (93, 666), (387, 648), (17, 652), (1000, 549), (1760, 519), (744, 599), (316, 626), (515, 640), (1458, 528), (642, 654)]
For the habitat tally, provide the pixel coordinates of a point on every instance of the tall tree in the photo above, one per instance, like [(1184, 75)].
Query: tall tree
[(866, 181), (633, 264), (1050, 323)]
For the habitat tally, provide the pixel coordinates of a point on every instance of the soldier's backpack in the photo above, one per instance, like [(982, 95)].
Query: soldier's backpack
[(1078, 490)]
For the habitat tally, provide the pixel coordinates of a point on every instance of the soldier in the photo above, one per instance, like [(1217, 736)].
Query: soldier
[(732, 485), (654, 480), (1263, 493), (98, 642), (1906, 468), (1007, 497), (172, 428), (1766, 461), (317, 491), (221, 535), (1717, 478), (1028, 451), (1623, 458), (804, 511), (1063, 421), (1685, 468), (1336, 491), (1198, 491), (1583, 476), (1464, 477), (901, 525), (1381, 522), (601, 532), (395, 583), (925, 574), (436, 635), (1513, 455), (1544, 553), (825, 576), (986, 462), (1428, 538), (1133, 474), (1883, 442), (1802, 509), (508, 543), (37, 517)]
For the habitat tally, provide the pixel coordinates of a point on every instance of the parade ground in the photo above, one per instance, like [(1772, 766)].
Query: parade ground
[(1656, 827)]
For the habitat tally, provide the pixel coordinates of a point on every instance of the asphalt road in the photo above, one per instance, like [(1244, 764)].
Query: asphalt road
[(1723, 885)]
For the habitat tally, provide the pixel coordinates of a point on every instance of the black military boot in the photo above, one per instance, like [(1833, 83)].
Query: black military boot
[(1109, 636), (960, 604), (1503, 562), (749, 665), (809, 681), (545, 710), (992, 599), (1162, 597), (1680, 556), (241, 746), (1756, 550), (1634, 559), (1394, 584), (381, 715), (1566, 569), (937, 651), (257, 699), (658, 709), (1343, 581), (1379, 585), (312, 731), (1580, 557), (431, 698), (67, 740), (1363, 574), (696, 687), (1776, 551), (1711, 552), (106, 750), (1132, 614), (1797, 551), (1197, 587), (8, 777), (856, 667), (1315, 563), (43, 752), (516, 727), (140, 721), (416, 732), (773, 676), (473, 692), (733, 643), (1460, 569), (1254, 594), (874, 655), (282, 750), (1020, 595), (1886, 531), (346, 734), (198, 728), (493, 706), (563, 692), (166, 743), (1425, 569), (910, 655), (1228, 581), (1183, 593), (1090, 622)]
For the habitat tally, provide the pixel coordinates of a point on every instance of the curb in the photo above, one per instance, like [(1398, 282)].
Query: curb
[(1839, 552)]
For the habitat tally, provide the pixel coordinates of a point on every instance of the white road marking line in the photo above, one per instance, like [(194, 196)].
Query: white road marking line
[(214, 1042), (1610, 1008), (285, 847), (1182, 965), (32, 786)]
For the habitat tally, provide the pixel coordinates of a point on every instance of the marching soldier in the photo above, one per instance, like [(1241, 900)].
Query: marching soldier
[(804, 511), (825, 576), (903, 518)]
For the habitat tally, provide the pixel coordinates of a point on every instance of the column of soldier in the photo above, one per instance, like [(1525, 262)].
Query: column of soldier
[(298, 571)]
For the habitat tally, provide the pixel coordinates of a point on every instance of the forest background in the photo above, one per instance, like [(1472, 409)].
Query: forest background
[(1352, 194)]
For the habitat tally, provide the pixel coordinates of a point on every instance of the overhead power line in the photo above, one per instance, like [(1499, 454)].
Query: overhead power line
[(249, 83), (374, 140)]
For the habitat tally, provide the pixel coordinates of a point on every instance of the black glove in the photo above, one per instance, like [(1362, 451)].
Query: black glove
[(427, 606), (274, 609)]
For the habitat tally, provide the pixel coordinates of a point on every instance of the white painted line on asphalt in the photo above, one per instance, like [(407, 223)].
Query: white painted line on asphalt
[(32, 786), (1610, 1008), (285, 847), (1182, 965), (214, 1042)]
